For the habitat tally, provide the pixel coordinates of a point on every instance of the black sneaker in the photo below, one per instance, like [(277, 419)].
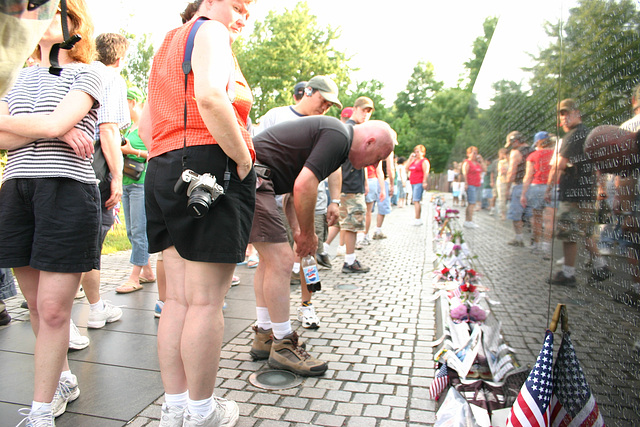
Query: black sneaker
[(356, 267), (5, 318), (562, 280), (601, 274), (323, 260), (516, 243)]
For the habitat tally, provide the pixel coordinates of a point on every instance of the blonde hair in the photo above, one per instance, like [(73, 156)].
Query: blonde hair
[(421, 148), (470, 149)]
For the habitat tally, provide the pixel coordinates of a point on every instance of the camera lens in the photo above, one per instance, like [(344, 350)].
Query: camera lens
[(199, 203)]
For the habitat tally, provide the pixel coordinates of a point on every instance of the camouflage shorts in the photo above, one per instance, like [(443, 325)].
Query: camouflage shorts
[(352, 212), (574, 221)]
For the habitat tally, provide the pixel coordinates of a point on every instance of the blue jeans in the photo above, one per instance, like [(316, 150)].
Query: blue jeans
[(136, 219)]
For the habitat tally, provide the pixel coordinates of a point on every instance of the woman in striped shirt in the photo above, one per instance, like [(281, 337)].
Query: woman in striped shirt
[(49, 200)]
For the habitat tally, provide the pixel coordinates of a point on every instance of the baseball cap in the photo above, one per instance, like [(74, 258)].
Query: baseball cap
[(363, 102), (298, 89), (327, 88), (135, 94), (540, 135), (513, 136), (567, 105), (346, 112)]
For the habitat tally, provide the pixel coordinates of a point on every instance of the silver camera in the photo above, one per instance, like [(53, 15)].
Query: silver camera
[(203, 191)]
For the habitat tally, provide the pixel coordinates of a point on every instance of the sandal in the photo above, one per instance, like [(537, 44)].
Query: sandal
[(253, 261), (128, 287), (145, 280)]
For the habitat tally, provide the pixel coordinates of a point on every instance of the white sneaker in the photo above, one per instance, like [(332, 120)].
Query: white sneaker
[(225, 414), (417, 222), (308, 317), (171, 416), (36, 419), (76, 341), (67, 391), (469, 224), (99, 318)]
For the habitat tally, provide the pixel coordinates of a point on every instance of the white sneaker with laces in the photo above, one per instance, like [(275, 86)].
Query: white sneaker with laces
[(225, 414), (36, 419), (99, 318), (172, 416), (76, 341), (308, 317), (67, 391), (469, 224)]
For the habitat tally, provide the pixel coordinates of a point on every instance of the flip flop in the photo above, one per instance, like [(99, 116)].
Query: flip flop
[(253, 261), (145, 280), (128, 287)]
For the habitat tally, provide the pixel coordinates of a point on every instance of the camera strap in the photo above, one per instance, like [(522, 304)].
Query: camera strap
[(69, 41), (186, 69)]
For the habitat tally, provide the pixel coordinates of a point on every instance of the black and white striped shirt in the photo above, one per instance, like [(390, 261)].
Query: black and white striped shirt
[(38, 91)]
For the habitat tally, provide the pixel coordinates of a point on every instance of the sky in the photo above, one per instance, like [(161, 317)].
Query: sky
[(386, 39)]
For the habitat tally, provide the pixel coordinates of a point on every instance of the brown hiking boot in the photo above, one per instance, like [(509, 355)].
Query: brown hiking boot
[(289, 355), (261, 347)]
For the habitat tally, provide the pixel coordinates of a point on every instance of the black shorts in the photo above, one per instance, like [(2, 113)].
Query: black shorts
[(268, 225), (50, 224), (221, 236)]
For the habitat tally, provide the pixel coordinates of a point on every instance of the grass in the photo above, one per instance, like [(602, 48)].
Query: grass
[(116, 239)]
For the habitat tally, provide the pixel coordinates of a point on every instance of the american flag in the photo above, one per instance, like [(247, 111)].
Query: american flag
[(572, 403), (531, 408), (439, 382)]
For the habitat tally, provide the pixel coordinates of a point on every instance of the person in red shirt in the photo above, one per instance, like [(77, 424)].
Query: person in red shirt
[(418, 169), (472, 169), (534, 186)]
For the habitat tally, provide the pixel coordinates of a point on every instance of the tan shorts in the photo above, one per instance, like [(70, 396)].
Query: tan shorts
[(352, 212)]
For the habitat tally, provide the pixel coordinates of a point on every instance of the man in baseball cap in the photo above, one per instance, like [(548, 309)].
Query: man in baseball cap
[(327, 88), (298, 91)]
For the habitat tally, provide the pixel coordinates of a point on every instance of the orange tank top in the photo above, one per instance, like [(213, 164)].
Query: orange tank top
[(166, 99)]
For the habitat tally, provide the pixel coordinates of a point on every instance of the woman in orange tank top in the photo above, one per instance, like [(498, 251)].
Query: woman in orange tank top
[(200, 244)]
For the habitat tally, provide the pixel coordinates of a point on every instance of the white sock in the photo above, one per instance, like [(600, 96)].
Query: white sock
[(296, 267), (264, 320), (350, 258), (325, 247), (342, 247), (180, 400), (41, 407), (360, 237), (568, 271), (281, 330), (378, 230), (66, 375), (202, 407), (99, 306)]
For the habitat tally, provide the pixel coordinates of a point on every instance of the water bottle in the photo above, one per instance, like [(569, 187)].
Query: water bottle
[(310, 271)]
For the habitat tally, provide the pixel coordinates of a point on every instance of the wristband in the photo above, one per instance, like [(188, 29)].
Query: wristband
[(336, 201)]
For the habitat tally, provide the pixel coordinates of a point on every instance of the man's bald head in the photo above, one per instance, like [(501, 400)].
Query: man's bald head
[(373, 141)]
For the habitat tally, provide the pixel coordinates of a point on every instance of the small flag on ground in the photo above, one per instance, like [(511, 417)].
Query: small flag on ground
[(572, 403), (531, 408), (439, 382)]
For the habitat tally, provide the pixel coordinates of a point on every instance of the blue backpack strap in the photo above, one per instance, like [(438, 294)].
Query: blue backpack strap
[(186, 69), (188, 51)]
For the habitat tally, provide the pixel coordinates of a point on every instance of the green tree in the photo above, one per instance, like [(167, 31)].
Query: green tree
[(480, 47), (594, 58), (139, 59), (285, 49), (420, 89)]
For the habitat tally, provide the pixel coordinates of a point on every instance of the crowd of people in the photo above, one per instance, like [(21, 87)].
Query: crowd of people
[(200, 189)]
